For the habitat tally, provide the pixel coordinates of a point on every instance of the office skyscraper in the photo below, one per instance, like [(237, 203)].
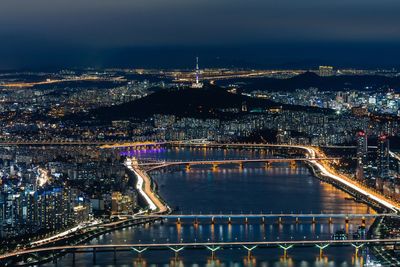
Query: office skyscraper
[(383, 156)]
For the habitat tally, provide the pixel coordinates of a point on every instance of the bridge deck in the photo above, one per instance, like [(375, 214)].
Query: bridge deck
[(232, 161), (212, 245), (267, 215)]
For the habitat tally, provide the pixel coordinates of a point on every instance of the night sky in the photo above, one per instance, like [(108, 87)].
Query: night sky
[(169, 33)]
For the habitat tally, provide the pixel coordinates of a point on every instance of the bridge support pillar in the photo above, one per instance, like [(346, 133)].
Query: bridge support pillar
[(241, 165), (213, 250), (115, 254), (285, 249), (73, 258), (54, 257), (249, 249), (139, 250), (321, 249), (297, 220), (293, 164), (215, 166), (94, 255), (357, 248), (176, 251)]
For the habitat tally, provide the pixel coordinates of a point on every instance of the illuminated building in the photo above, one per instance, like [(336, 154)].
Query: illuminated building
[(123, 203), (325, 71), (362, 153), (26, 212), (383, 156), (362, 147), (359, 111)]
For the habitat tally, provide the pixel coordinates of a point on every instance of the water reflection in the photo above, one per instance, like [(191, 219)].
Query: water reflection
[(227, 189)]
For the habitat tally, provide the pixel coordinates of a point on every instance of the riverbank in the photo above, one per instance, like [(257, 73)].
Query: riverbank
[(144, 186), (376, 206), (147, 180)]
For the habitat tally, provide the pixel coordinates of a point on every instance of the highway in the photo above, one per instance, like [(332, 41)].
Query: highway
[(395, 207), (51, 81), (394, 155), (143, 185)]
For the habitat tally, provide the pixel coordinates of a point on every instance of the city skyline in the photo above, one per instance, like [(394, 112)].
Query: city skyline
[(200, 133)]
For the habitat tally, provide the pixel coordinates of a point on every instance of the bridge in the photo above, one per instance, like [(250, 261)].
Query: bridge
[(267, 215), (101, 143), (156, 165), (110, 144), (213, 247), (51, 142), (261, 217)]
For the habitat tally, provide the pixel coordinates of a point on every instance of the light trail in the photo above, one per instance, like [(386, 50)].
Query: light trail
[(367, 192), (143, 185), (65, 233), (139, 185), (394, 155)]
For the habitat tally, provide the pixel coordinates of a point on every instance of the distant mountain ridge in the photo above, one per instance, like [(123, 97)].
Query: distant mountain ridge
[(310, 79)]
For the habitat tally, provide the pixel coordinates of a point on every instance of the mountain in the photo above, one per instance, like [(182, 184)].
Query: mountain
[(310, 79), (202, 103)]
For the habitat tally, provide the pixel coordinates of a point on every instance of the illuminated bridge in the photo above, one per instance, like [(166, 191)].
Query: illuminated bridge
[(213, 247), (156, 165), (261, 218), (268, 215), (102, 144)]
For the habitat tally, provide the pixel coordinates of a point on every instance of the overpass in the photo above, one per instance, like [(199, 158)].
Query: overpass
[(213, 247)]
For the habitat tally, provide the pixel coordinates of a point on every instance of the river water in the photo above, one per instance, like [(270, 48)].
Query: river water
[(254, 189)]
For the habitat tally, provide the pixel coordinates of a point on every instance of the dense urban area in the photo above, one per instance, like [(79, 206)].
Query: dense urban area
[(58, 177)]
